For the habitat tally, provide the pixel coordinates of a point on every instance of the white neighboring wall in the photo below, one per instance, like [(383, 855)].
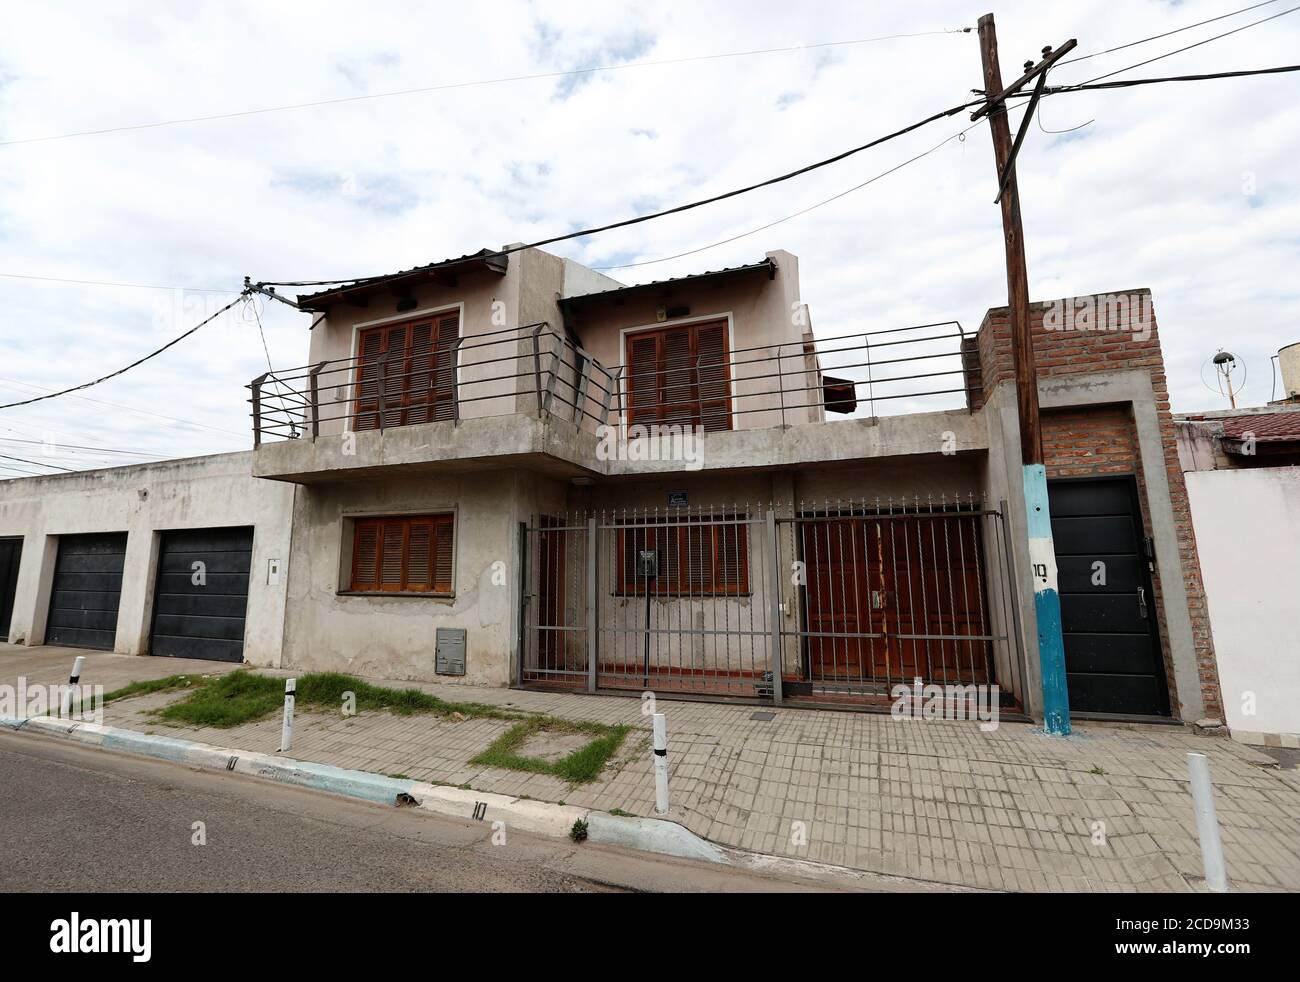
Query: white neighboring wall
[(145, 500), (1247, 524)]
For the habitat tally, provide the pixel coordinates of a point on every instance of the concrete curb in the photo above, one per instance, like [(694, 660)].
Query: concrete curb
[(539, 817)]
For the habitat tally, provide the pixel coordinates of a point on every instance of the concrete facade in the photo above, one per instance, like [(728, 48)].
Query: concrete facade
[(144, 501)]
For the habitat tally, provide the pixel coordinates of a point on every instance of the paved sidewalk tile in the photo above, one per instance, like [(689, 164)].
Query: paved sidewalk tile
[(1105, 809)]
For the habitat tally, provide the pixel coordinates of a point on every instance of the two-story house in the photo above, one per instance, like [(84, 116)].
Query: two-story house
[(511, 468)]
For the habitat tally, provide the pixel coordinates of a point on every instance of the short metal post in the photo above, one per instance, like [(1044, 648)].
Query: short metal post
[(775, 612), (286, 728), (315, 399), (74, 680), (592, 594), (661, 763), (455, 379), (257, 408), (1207, 823)]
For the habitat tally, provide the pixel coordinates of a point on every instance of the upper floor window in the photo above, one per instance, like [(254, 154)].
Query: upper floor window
[(680, 375), (406, 373), (404, 554)]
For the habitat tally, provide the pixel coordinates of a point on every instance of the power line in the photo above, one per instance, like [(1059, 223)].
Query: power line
[(1131, 82), (1157, 37), (34, 463), (131, 409), (134, 286), (1178, 51), (74, 446), (138, 361), (804, 211), (534, 76), (658, 214)]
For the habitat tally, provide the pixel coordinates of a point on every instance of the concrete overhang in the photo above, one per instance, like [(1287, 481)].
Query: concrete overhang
[(556, 447)]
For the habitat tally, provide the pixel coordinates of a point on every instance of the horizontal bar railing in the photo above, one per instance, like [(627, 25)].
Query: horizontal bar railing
[(538, 367)]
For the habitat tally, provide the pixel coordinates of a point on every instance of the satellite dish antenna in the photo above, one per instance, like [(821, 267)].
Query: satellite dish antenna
[(1226, 364)]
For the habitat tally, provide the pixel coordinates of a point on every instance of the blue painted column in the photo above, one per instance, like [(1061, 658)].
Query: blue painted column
[(1047, 602)]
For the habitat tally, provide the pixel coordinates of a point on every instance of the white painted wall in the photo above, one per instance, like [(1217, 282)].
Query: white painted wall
[(144, 501), (1247, 526)]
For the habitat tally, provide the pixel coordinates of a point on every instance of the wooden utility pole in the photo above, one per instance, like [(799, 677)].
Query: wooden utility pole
[(1042, 552)]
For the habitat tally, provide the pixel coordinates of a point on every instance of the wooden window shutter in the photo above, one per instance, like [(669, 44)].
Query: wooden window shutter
[(391, 545), (419, 555), (445, 358), (371, 345), (714, 377), (444, 553), (420, 380), (643, 379), (681, 376), (365, 556)]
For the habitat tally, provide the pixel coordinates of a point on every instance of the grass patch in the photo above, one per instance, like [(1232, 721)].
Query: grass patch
[(580, 767), (243, 696), (145, 688)]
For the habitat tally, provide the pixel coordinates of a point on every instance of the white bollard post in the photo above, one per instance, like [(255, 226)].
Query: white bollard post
[(286, 728), (1207, 823), (65, 707), (661, 763)]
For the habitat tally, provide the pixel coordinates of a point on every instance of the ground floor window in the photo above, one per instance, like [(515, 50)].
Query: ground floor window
[(705, 556), (403, 554)]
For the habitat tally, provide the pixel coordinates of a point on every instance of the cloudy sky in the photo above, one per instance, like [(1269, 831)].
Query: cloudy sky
[(1191, 190)]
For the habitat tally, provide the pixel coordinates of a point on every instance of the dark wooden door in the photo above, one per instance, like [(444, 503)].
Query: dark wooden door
[(87, 591), (201, 596), (889, 598), (1108, 613), (11, 551)]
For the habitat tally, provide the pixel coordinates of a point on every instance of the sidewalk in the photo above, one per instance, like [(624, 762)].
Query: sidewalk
[(1107, 809)]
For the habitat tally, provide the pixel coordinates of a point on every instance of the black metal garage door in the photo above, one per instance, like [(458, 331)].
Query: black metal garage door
[(87, 591), (1108, 613), (202, 594), (11, 551)]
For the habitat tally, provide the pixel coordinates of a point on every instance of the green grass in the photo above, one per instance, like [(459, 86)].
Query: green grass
[(580, 767), (144, 688), (243, 696)]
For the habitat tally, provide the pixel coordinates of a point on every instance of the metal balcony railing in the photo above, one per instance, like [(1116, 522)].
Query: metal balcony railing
[(536, 369)]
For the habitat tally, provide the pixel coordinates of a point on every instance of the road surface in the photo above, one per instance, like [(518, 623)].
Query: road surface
[(84, 819)]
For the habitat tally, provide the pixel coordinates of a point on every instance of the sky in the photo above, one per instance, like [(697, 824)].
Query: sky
[(1190, 190)]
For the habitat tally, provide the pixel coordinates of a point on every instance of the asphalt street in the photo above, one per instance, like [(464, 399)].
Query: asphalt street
[(84, 819)]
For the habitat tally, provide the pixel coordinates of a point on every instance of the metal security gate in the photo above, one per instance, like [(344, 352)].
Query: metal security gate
[(837, 602), (87, 591), (201, 595)]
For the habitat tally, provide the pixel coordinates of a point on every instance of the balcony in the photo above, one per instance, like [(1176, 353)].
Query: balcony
[(533, 397)]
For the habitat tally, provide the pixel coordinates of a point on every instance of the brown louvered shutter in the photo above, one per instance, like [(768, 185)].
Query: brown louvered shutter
[(419, 381), (392, 374), (371, 348), (714, 377), (390, 555), (444, 375), (643, 379), (443, 553), (365, 556), (419, 556), (732, 552), (677, 378)]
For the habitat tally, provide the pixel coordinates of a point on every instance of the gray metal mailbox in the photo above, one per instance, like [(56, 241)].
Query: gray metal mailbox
[(450, 651)]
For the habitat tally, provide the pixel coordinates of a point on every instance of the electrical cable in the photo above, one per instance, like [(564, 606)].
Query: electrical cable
[(804, 211), (1157, 37), (138, 361), (34, 463), (1178, 51), (359, 281)]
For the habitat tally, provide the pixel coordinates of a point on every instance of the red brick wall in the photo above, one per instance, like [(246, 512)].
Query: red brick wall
[(1103, 440)]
